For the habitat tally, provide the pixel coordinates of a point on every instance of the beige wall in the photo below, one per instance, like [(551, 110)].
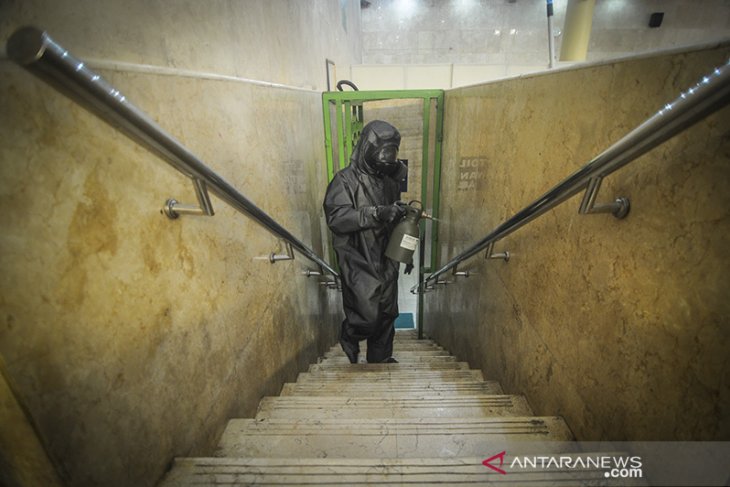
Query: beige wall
[(622, 326), (502, 34), (435, 76), (280, 41), (129, 338), (450, 44)]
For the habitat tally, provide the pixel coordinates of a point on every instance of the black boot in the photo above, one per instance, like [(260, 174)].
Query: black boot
[(389, 360)]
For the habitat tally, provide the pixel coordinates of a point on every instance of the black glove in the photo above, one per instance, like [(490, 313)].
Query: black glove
[(389, 214), (409, 268)]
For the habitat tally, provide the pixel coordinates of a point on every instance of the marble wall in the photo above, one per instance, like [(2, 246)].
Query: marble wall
[(620, 326), (128, 338)]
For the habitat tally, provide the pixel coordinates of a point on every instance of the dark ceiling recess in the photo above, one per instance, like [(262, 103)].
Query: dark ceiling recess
[(364, 4), (656, 19)]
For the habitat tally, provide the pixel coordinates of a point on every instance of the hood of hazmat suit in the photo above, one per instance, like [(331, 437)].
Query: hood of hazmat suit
[(369, 278)]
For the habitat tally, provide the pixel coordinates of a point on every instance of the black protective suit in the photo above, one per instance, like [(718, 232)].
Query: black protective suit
[(360, 210)]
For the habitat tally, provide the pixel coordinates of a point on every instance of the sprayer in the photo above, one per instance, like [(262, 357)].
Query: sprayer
[(405, 236)]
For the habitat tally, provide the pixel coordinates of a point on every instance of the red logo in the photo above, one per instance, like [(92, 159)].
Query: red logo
[(487, 462)]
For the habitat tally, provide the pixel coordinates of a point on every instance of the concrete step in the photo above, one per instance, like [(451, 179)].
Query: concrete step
[(400, 353), (341, 407), (366, 369), (407, 333), (386, 389), (407, 344), (403, 359), (404, 338), (393, 376), (400, 472), (389, 438)]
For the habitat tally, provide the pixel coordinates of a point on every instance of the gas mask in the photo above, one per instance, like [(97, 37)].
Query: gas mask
[(384, 159)]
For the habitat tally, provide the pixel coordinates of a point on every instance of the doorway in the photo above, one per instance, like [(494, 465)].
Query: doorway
[(418, 115)]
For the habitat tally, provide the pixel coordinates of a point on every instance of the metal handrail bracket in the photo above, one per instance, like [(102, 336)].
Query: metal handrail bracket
[(173, 209), (289, 255), (490, 254), (709, 95), (619, 208), (34, 50)]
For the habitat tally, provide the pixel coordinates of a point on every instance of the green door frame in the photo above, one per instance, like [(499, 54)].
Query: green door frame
[(348, 108)]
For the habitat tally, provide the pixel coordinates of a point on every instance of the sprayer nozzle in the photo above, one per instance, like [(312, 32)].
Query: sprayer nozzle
[(426, 215)]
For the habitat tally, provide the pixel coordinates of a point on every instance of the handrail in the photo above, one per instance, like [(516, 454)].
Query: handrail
[(710, 94), (34, 49)]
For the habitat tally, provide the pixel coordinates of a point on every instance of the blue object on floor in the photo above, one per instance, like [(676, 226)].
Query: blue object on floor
[(404, 321)]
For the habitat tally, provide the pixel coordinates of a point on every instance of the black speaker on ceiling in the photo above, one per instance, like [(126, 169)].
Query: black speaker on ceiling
[(656, 19)]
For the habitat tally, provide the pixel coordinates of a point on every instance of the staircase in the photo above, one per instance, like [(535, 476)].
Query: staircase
[(426, 420)]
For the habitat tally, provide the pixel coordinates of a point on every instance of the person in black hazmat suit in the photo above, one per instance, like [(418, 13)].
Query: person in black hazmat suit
[(361, 212)]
